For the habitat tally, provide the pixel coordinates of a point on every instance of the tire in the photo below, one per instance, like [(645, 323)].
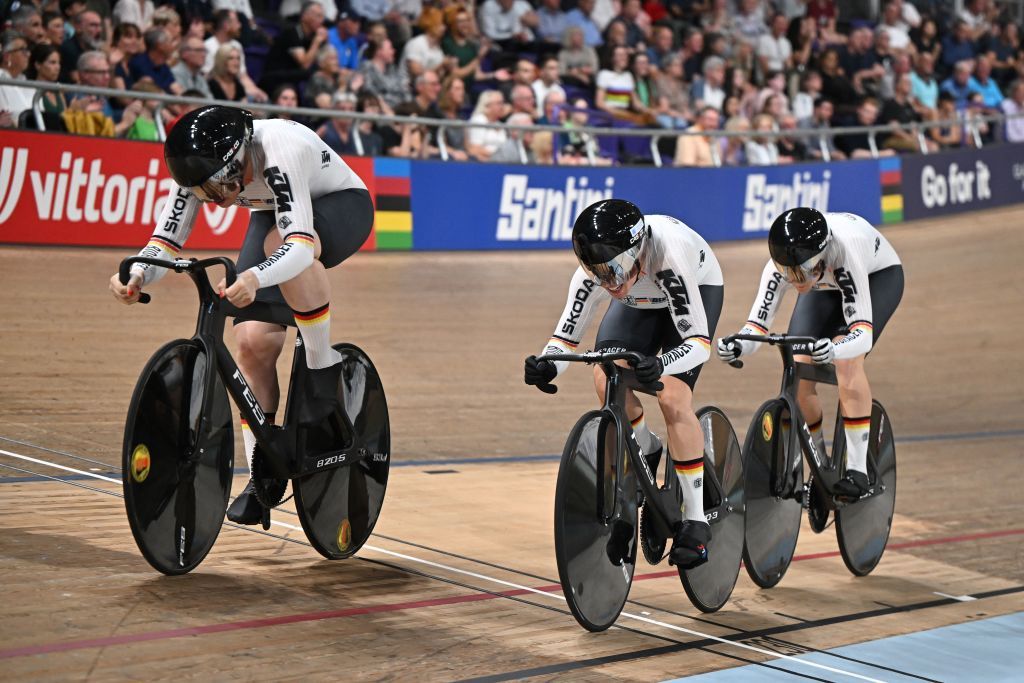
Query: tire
[(339, 507), (710, 585), (595, 553), (862, 528), (177, 467), (773, 512)]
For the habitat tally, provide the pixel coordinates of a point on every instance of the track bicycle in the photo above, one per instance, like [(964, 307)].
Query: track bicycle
[(776, 492), (604, 481), (178, 453)]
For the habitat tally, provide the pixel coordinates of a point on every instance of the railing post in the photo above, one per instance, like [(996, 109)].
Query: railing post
[(655, 152), (442, 144), (826, 153), (357, 139), (872, 145), (716, 153), (158, 119)]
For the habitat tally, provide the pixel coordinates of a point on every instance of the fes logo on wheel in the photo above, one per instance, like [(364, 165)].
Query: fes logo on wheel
[(766, 426)]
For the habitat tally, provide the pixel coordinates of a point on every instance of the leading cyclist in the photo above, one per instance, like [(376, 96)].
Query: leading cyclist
[(310, 212), (850, 281), (667, 289)]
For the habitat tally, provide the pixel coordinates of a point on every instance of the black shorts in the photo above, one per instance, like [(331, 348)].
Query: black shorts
[(650, 330), (342, 220), (819, 314)]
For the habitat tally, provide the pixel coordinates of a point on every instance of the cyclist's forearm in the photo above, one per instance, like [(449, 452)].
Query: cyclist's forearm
[(287, 261)]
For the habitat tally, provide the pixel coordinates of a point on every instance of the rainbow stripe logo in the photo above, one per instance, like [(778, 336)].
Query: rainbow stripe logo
[(393, 223), (892, 189)]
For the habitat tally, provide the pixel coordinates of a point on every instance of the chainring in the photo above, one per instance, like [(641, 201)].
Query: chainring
[(269, 490), (652, 547)]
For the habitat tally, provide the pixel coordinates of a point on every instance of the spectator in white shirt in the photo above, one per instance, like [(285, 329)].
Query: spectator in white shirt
[(508, 20), (138, 12), (547, 82), (774, 50), (892, 24), (423, 53)]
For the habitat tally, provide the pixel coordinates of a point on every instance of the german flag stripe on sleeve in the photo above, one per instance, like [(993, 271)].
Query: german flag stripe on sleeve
[(863, 325), (700, 339), (857, 422), (568, 345), (688, 466), (164, 243), (301, 238), (759, 328)]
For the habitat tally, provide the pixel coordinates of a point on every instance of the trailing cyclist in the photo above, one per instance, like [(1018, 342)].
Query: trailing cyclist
[(849, 281), (667, 292), (309, 212)]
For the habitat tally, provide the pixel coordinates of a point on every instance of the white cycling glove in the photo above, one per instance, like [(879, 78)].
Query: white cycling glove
[(728, 352), (823, 351)]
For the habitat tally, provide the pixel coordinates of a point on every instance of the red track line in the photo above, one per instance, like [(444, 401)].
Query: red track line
[(66, 646)]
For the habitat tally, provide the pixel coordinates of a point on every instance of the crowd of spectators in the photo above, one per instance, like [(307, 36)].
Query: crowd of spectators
[(764, 67)]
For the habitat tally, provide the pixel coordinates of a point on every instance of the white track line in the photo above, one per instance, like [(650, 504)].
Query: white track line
[(528, 589), (60, 467)]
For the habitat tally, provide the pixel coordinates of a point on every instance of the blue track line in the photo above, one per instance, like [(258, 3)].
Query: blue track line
[(490, 460)]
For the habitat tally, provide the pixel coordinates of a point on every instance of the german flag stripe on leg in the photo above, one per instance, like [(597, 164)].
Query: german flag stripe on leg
[(313, 317), (857, 422), (688, 466)]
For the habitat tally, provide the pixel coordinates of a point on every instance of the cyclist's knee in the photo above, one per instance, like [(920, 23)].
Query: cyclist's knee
[(259, 345), (850, 372), (676, 401)]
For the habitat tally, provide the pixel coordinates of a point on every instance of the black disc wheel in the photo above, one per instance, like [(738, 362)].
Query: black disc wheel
[(595, 529), (773, 510), (863, 527), (177, 457), (710, 585), (339, 507)]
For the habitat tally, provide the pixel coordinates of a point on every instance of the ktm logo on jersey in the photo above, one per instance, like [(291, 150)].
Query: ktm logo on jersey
[(279, 183), (676, 290), (845, 282)]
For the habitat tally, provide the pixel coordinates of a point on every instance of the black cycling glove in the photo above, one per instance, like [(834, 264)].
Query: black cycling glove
[(648, 370), (539, 372)]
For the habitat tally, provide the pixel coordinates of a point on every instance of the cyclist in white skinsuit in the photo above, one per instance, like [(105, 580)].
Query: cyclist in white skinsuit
[(310, 212), (849, 281), (667, 289)]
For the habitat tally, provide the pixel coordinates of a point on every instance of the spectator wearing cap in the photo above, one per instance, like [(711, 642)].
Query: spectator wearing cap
[(188, 72), (88, 36), (29, 24), (138, 12), (581, 18), (152, 63), (346, 39), (423, 53), (774, 51)]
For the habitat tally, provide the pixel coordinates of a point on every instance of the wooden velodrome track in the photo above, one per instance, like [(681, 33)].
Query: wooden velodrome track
[(459, 580)]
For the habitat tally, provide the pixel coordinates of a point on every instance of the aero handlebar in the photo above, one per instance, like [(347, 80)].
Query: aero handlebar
[(798, 344), (178, 266)]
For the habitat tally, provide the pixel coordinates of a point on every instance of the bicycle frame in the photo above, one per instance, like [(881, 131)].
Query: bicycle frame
[(792, 372), (277, 443), (617, 381)]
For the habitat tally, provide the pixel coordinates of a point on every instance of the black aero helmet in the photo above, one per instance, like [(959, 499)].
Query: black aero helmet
[(205, 149), (608, 238), (797, 241)]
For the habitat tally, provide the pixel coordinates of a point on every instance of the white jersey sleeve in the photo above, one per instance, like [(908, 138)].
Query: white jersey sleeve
[(172, 230), (583, 299), (770, 292)]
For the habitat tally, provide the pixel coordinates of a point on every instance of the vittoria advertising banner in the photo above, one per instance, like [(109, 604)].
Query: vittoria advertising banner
[(75, 190)]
